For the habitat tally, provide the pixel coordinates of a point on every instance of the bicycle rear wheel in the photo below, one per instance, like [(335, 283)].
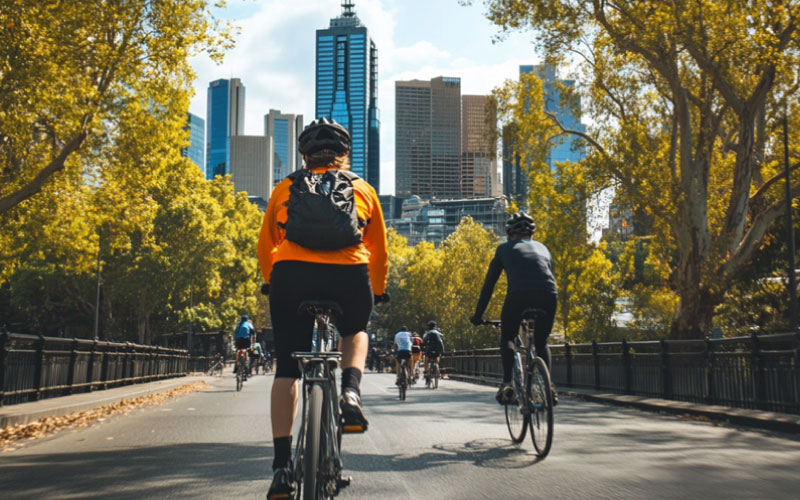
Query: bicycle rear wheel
[(436, 375), (516, 417), (403, 382), (541, 418), (239, 376), (311, 455)]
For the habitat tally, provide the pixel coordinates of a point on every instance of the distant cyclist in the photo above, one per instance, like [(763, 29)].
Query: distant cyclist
[(402, 347), (531, 284), (416, 354), (432, 345), (256, 354), (323, 238), (243, 334)]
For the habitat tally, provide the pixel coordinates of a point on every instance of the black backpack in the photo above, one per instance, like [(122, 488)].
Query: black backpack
[(322, 210)]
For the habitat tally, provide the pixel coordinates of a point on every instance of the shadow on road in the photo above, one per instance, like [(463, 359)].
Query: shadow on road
[(175, 471)]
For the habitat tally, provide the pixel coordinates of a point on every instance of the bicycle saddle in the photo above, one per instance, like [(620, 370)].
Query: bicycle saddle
[(312, 307), (533, 313)]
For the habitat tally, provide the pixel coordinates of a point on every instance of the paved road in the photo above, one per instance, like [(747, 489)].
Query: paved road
[(445, 444)]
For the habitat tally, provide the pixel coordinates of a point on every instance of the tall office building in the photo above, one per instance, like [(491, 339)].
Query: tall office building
[(347, 84), (197, 138), (225, 118), (479, 175), (428, 137), (249, 166), (515, 178), (566, 147), (283, 131)]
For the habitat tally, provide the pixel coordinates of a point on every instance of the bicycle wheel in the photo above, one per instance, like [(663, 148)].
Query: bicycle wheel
[(403, 382), (541, 418), (516, 419), (436, 375), (312, 452), (238, 381)]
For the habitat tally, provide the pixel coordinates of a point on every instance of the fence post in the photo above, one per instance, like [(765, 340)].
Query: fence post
[(90, 367), (37, 377), (73, 360), (666, 367), (796, 373), (568, 354), (756, 365), (596, 358), (104, 369), (4, 348), (709, 367), (626, 366)]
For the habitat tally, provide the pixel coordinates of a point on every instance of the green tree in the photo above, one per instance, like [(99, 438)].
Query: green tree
[(687, 97), (68, 70)]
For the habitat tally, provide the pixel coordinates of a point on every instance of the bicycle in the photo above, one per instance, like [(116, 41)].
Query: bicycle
[(432, 377), (241, 371), (317, 456), (403, 386), (532, 388), (216, 367)]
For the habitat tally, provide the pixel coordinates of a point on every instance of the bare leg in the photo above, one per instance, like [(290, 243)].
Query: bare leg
[(354, 350), (283, 406)]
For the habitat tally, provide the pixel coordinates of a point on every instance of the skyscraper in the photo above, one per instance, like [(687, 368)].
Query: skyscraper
[(478, 148), (197, 139), (249, 166), (347, 84), (225, 118), (283, 130), (428, 137)]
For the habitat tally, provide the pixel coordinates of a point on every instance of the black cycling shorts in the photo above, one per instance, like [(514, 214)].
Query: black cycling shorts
[(293, 282), (433, 354), (402, 355), (243, 342)]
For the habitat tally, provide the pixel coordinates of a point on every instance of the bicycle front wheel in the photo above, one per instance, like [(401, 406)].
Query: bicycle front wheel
[(541, 419), (311, 455), (516, 417)]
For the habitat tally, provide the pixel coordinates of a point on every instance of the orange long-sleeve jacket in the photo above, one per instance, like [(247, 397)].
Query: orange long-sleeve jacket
[(273, 247)]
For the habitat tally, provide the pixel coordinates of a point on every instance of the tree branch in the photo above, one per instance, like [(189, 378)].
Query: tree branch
[(582, 135), (35, 185), (764, 187)]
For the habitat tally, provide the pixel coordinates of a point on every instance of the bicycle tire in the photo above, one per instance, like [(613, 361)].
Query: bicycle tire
[(238, 382), (312, 452), (403, 382), (541, 418), (436, 375), (516, 417)]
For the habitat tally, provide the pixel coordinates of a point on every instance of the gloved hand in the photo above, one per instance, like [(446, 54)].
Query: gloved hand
[(382, 298), (265, 289), (476, 320)]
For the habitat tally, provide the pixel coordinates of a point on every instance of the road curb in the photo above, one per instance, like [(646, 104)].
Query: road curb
[(767, 420), (24, 413)]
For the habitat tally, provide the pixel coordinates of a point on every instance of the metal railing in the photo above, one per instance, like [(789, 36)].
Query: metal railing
[(760, 371), (36, 367)]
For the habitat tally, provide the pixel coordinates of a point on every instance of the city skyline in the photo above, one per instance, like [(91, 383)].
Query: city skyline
[(275, 56)]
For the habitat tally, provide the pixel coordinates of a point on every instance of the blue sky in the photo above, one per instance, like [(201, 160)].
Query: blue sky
[(422, 39)]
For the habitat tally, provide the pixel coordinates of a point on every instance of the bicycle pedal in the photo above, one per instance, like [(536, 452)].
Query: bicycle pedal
[(353, 429), (344, 482)]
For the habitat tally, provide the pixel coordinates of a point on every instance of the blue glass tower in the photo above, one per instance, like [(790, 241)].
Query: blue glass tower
[(347, 83), (225, 117), (567, 147), (197, 139)]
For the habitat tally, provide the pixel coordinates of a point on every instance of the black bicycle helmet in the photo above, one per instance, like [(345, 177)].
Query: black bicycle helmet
[(245, 317), (520, 223), (431, 324), (323, 136)]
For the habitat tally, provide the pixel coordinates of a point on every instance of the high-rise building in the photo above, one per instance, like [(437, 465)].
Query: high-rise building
[(478, 147), (225, 119), (428, 137), (249, 166), (197, 138), (567, 147), (347, 85), (283, 131)]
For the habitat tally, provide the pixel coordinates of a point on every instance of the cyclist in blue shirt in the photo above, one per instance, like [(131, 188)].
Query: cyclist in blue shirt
[(243, 336)]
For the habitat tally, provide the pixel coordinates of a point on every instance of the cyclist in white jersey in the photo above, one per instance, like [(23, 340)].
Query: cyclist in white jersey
[(402, 347)]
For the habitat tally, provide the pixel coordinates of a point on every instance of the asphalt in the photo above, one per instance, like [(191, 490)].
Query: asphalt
[(774, 421)]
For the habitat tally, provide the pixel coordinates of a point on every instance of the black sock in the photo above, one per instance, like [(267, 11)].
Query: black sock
[(283, 452), (351, 379)]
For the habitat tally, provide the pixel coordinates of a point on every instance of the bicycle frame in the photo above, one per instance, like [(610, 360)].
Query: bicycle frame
[(318, 367)]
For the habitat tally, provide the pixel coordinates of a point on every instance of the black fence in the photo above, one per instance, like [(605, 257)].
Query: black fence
[(760, 371), (37, 367)]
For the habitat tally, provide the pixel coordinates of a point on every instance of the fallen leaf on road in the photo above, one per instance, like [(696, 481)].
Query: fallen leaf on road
[(48, 425)]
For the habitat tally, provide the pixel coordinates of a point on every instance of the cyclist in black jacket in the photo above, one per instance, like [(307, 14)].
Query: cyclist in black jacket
[(531, 284)]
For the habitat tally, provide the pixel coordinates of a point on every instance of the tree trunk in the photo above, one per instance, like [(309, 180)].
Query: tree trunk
[(693, 315)]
